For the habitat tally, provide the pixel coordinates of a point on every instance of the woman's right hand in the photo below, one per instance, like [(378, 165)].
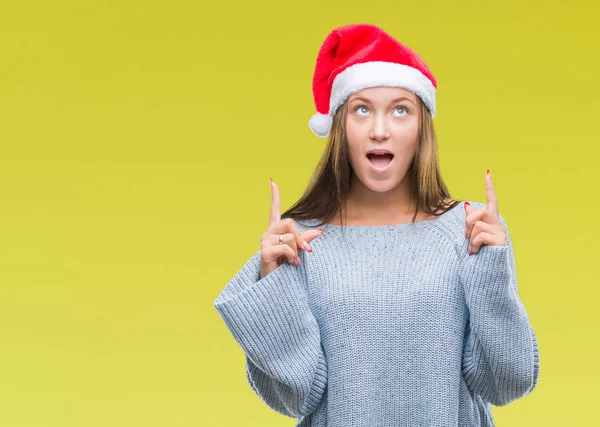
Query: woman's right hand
[(273, 253)]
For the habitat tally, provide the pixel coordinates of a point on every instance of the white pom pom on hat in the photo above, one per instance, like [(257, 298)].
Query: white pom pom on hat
[(320, 124), (358, 56)]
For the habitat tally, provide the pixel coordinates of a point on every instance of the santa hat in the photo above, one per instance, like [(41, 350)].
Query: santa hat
[(359, 56)]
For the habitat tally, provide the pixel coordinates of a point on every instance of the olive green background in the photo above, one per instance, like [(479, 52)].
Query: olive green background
[(137, 139)]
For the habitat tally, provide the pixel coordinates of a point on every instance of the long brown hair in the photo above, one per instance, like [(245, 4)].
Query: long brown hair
[(329, 185)]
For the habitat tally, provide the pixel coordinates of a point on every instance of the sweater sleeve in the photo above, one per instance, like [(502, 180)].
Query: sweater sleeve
[(271, 320), (500, 355)]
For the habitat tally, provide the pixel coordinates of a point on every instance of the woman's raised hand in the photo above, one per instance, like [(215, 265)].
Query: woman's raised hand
[(483, 225), (273, 253)]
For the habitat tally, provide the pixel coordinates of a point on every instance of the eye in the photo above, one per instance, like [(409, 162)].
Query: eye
[(363, 107), (402, 108)]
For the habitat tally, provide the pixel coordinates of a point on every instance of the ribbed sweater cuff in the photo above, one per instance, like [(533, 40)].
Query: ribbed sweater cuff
[(272, 321), (486, 275)]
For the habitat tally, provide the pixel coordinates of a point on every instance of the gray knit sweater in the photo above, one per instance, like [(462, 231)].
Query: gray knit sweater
[(386, 326)]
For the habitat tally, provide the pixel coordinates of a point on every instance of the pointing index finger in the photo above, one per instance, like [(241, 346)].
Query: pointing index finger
[(275, 215), (490, 194)]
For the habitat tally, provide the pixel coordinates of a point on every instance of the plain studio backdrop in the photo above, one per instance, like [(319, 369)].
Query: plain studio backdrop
[(137, 139)]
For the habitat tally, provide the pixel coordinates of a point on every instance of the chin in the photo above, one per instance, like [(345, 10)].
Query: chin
[(380, 184)]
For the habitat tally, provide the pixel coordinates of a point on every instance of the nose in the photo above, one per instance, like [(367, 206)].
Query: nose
[(379, 131)]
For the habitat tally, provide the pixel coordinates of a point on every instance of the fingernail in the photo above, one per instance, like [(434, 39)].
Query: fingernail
[(488, 172), (320, 230), (306, 245), (467, 203), (271, 180)]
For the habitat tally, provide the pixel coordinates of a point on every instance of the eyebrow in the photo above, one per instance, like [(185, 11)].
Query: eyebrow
[(359, 98)]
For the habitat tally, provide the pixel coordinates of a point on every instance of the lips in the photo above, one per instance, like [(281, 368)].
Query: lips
[(380, 161)]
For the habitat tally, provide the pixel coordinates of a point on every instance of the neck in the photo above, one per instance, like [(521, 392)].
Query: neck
[(391, 205)]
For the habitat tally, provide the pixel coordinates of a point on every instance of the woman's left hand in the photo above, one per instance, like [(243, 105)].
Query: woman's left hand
[(483, 223)]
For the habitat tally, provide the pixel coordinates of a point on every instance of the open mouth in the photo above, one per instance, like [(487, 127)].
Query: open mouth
[(380, 161)]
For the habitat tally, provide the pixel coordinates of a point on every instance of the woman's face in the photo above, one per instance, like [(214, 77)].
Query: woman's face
[(382, 118)]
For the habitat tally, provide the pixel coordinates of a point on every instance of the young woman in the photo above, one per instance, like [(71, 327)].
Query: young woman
[(403, 310)]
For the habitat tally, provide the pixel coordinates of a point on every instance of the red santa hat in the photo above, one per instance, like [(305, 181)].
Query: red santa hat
[(359, 56)]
